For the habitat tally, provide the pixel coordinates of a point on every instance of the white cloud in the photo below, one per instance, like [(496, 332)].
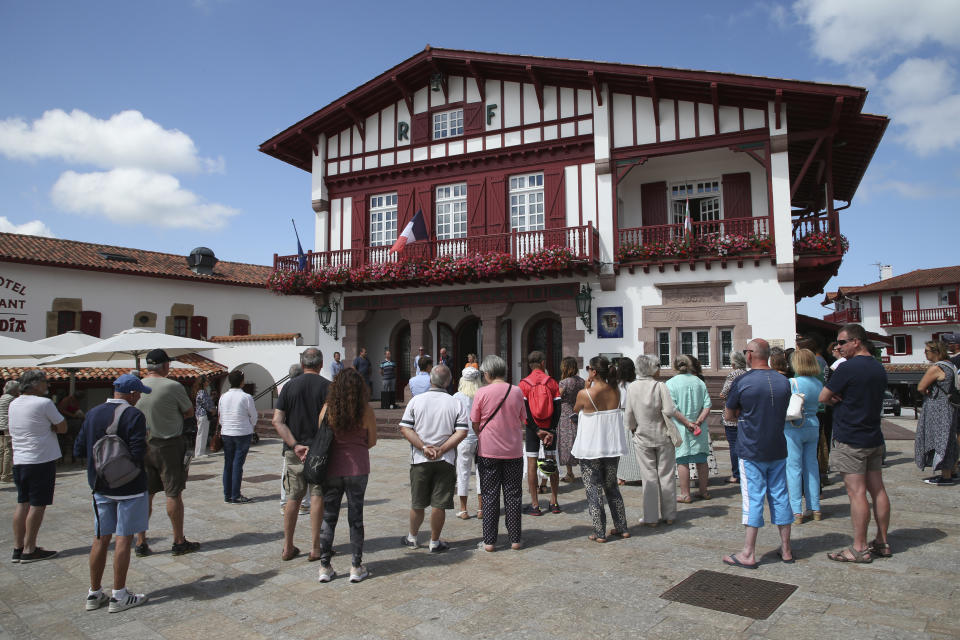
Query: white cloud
[(32, 228), (845, 31), (136, 196), (126, 139), (923, 98)]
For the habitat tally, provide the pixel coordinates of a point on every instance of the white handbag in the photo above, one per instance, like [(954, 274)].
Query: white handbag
[(795, 408)]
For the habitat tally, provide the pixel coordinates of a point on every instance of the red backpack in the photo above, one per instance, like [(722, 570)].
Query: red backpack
[(541, 403)]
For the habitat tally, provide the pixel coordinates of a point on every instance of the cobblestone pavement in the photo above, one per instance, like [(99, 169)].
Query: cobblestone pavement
[(559, 585)]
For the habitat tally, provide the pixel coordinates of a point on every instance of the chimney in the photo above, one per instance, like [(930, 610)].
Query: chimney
[(201, 261), (886, 272)]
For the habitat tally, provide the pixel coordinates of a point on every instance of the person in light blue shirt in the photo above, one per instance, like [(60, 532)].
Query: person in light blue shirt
[(803, 471), (421, 382), (336, 366)]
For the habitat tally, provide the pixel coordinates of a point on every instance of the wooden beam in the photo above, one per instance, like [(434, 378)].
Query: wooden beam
[(357, 120), (597, 89), (443, 78), (777, 102), (481, 82), (310, 140), (405, 92), (806, 165), (715, 100), (656, 104), (626, 166), (811, 134), (537, 85), (760, 160)]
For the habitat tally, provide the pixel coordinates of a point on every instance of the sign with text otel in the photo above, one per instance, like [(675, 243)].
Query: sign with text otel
[(13, 298)]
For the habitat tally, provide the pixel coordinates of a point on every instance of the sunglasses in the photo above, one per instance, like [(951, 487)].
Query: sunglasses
[(589, 368), (843, 342)]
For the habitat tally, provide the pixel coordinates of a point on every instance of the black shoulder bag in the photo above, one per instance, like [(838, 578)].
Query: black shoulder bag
[(476, 456), (318, 455)]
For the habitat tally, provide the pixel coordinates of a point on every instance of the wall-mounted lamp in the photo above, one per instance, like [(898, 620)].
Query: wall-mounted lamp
[(330, 309), (436, 82), (583, 306)]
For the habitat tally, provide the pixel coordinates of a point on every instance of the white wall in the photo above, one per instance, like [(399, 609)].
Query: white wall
[(119, 297)]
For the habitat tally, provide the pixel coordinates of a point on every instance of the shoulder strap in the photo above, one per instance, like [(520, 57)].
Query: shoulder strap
[(112, 429), (793, 385), (502, 400), (589, 395)]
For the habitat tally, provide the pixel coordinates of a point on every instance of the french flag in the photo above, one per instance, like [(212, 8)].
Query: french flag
[(415, 231)]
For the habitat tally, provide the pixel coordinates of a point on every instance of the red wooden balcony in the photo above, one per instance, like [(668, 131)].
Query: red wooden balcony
[(935, 315), (844, 316), (583, 241), (664, 233)]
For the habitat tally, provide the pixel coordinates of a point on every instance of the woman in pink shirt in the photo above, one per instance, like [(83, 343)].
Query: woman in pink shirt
[(498, 416)]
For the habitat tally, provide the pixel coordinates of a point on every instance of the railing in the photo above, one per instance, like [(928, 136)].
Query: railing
[(666, 232), (817, 234), (935, 315), (583, 241), (844, 316)]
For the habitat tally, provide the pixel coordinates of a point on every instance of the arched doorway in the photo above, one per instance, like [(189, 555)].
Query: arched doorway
[(400, 351), (467, 341), (546, 335), (256, 378)]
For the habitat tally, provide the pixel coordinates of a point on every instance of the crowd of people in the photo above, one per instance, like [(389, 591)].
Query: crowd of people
[(618, 422)]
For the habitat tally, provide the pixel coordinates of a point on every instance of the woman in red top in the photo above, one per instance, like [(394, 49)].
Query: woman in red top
[(354, 426)]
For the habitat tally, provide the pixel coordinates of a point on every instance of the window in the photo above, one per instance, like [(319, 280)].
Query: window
[(383, 220), (899, 345), (726, 347), (452, 211), (703, 197), (180, 326), (663, 348), (240, 327), (948, 298), (696, 344), (526, 202), (66, 321), (447, 124)]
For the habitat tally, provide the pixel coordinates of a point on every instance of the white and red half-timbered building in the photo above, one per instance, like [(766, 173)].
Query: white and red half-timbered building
[(688, 210)]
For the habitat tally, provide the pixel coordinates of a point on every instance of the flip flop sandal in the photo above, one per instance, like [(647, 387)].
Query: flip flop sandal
[(617, 532), (567, 479), (463, 515), (733, 561), (290, 556), (594, 537), (782, 559), (704, 496), (859, 557), (880, 549), (684, 499)]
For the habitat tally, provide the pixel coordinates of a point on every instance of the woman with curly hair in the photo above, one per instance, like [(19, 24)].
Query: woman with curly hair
[(348, 414)]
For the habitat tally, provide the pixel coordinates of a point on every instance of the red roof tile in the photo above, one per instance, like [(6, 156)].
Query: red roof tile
[(257, 337), (919, 278), (83, 255), (198, 366)]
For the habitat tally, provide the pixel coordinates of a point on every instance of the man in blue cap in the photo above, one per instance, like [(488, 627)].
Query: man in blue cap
[(122, 511)]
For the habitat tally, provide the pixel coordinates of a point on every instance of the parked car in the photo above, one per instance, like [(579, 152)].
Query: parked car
[(891, 404)]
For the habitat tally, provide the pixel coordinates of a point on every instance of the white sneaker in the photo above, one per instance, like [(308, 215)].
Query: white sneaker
[(358, 573), (327, 574), (132, 600), (95, 601)]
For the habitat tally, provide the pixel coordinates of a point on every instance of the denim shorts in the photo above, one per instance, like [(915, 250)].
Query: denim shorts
[(121, 517)]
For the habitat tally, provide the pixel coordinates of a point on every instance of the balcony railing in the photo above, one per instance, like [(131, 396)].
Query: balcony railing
[(583, 241), (662, 233), (844, 316), (935, 315)]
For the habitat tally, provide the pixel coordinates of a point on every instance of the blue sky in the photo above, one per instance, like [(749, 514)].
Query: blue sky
[(137, 123)]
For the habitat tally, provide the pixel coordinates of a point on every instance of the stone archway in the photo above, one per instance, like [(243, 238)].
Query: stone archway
[(543, 332), (256, 375)]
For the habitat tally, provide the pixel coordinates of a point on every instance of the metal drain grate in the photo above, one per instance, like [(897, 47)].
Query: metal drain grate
[(266, 477), (742, 596)]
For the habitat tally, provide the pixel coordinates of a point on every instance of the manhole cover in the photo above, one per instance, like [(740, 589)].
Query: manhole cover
[(743, 596), (266, 477)]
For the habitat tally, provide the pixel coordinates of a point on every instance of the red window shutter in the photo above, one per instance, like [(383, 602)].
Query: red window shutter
[(952, 298), (198, 327), (90, 323), (421, 129), (241, 327), (476, 207), (358, 222), (497, 220), (737, 202), (473, 118), (555, 216), (909, 345), (653, 203), (405, 207), (425, 204)]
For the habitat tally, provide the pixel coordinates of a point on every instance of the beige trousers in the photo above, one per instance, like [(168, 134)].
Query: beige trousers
[(6, 458), (658, 466)]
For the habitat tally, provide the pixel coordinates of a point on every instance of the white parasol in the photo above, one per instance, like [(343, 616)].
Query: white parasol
[(132, 343)]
